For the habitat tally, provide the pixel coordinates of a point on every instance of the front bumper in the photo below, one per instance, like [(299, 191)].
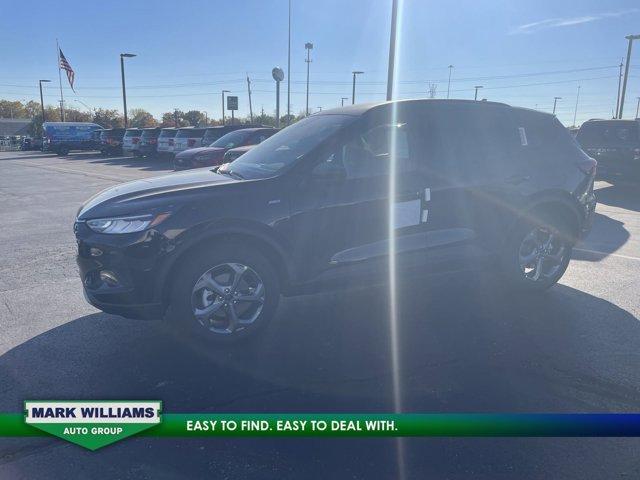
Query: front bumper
[(123, 274)]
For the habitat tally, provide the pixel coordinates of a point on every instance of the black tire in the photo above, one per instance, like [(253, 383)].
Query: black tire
[(63, 151), (180, 312), (515, 275)]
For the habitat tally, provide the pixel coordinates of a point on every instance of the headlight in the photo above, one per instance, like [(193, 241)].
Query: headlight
[(126, 224)]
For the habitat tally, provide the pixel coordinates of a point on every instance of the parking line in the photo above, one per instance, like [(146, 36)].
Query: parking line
[(605, 254)]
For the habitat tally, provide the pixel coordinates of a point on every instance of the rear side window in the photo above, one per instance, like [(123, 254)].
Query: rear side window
[(467, 142), (546, 138)]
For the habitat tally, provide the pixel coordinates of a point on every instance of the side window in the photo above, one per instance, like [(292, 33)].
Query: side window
[(368, 154)]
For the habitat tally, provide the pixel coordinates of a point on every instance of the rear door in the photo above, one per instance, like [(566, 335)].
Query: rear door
[(468, 153)]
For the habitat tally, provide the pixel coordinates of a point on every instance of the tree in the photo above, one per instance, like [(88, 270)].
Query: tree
[(140, 118), (174, 119), (107, 118), (194, 118)]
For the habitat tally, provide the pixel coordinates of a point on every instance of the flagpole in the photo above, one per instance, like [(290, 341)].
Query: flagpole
[(60, 79)]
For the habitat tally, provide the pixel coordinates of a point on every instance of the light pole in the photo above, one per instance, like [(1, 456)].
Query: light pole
[(289, 71), (449, 83), (223, 92), (353, 91), (308, 46), (575, 111), (41, 97), (477, 87), (342, 101), (638, 108), (124, 91), (631, 38), (555, 102), (392, 50), (278, 76), (619, 87)]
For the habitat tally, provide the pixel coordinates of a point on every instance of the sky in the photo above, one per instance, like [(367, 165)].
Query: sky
[(523, 53)]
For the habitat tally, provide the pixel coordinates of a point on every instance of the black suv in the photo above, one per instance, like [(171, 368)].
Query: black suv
[(616, 145), (426, 185), (111, 141)]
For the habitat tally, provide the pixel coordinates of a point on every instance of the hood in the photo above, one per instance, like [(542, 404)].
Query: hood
[(192, 152), (119, 197)]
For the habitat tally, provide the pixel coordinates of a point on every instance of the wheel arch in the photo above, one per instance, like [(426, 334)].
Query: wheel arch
[(560, 205), (270, 247)]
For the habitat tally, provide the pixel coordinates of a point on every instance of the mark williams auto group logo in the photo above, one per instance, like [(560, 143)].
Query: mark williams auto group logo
[(92, 424)]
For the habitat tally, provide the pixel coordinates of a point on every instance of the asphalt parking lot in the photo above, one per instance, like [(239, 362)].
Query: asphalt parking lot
[(466, 346)]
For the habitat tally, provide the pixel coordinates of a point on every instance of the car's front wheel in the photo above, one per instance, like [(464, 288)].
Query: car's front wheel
[(224, 294), (537, 254)]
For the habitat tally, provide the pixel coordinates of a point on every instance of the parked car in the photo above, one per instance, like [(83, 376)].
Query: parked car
[(212, 134), (213, 154), (63, 137), (148, 145), (131, 142), (614, 143), (111, 141), (476, 185), (29, 143), (234, 153), (187, 137), (166, 141)]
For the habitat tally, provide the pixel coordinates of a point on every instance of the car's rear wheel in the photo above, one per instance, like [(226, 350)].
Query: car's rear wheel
[(224, 295), (63, 151), (537, 254)]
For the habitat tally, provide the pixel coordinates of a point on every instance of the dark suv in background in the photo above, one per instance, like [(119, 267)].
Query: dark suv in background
[(616, 145), (148, 146), (434, 185), (111, 141)]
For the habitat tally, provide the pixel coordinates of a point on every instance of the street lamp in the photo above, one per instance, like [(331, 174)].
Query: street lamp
[(477, 87), (638, 108), (631, 38), (41, 98), (124, 92), (555, 102), (308, 46), (449, 82), (342, 100), (353, 91), (223, 92)]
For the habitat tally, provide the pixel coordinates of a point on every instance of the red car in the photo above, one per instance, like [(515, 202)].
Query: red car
[(214, 153)]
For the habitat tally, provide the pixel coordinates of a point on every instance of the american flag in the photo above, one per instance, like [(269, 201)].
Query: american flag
[(67, 68)]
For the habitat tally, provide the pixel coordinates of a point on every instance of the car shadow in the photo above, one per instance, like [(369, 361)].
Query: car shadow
[(464, 345), (461, 348), (625, 196), (607, 236)]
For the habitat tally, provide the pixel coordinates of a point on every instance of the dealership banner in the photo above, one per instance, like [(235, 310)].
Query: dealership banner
[(94, 424)]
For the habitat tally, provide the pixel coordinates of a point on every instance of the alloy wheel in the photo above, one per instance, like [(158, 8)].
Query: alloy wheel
[(541, 254)]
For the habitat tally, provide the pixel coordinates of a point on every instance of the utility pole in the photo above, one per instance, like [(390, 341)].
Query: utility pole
[(289, 71), (631, 38), (308, 46), (42, 99), (175, 116), (449, 82), (342, 100), (353, 91), (638, 108), (223, 92), (278, 76), (575, 111), (249, 93), (124, 91), (392, 49), (555, 102), (477, 87), (619, 87)]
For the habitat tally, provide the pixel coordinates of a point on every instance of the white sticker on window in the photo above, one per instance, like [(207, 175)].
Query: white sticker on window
[(427, 194), (406, 214), (523, 137)]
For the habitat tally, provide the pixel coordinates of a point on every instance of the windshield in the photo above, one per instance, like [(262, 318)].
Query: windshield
[(281, 150), (232, 139)]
